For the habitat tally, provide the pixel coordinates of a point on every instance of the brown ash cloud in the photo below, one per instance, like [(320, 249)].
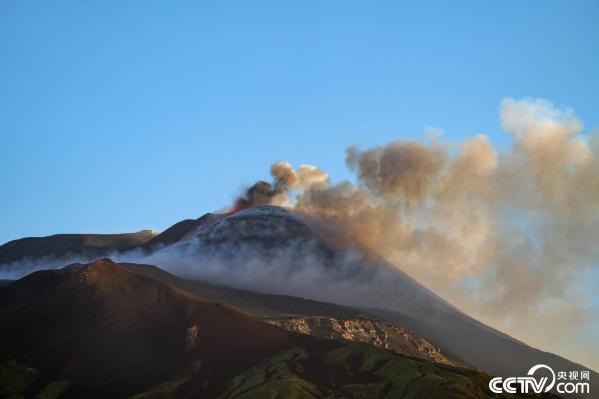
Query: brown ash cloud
[(507, 235)]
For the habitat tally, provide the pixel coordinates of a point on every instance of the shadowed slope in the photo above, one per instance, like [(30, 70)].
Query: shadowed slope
[(339, 369), (113, 332)]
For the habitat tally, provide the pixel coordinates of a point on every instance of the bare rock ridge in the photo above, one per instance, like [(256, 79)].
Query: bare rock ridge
[(383, 335)]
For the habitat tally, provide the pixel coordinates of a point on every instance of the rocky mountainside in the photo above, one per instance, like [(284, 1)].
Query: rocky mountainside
[(376, 332)]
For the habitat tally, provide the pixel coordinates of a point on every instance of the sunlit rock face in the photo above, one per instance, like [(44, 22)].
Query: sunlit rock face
[(376, 332)]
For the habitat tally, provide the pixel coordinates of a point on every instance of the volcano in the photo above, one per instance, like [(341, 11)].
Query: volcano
[(274, 250), (265, 294)]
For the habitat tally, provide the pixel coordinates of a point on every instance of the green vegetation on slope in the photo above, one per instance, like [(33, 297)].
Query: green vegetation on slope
[(53, 390), (340, 369), (16, 379), (278, 375), (354, 370)]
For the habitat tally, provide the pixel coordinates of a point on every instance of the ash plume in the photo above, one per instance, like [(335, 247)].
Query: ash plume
[(508, 236), (265, 193), (285, 178)]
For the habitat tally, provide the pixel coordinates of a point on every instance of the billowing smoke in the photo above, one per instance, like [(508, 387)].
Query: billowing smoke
[(285, 178), (264, 193), (509, 236)]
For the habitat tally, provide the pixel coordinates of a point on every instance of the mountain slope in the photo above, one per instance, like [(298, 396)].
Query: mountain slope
[(180, 230), (338, 369), (275, 258), (98, 330), (98, 323), (258, 304), (60, 245), (272, 250), (305, 316)]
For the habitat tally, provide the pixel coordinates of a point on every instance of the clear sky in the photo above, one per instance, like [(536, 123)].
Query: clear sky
[(120, 116)]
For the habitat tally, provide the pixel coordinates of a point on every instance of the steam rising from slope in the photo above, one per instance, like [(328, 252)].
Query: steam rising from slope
[(510, 236)]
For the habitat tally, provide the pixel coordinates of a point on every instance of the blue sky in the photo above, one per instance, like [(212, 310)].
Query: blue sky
[(120, 116)]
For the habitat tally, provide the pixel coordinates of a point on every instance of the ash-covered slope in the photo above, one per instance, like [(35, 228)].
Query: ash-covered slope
[(111, 333), (272, 250), (59, 245)]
